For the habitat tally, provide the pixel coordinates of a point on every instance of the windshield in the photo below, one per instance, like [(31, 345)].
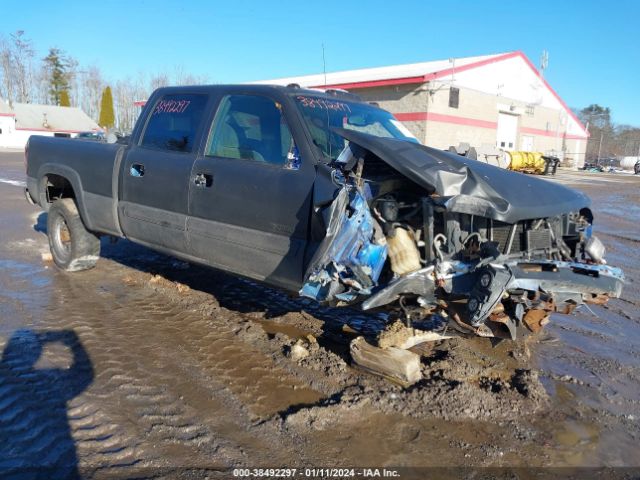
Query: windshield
[(321, 114)]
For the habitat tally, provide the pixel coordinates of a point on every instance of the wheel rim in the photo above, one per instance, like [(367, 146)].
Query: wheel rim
[(62, 238)]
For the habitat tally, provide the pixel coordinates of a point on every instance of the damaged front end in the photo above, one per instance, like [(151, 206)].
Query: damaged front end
[(427, 235), (349, 261)]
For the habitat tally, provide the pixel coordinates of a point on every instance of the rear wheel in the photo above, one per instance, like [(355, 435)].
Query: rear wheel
[(73, 247)]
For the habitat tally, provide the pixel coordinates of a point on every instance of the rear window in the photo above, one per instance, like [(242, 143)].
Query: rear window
[(174, 122)]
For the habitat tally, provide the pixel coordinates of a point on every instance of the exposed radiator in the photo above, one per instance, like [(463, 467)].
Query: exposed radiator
[(501, 235), (539, 239)]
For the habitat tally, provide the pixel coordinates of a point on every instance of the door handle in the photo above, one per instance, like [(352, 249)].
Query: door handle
[(136, 170), (203, 180)]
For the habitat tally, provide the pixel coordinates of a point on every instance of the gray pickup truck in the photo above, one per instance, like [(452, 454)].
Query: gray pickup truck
[(320, 193)]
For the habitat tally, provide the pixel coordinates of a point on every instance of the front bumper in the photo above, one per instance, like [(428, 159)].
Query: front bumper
[(564, 278)]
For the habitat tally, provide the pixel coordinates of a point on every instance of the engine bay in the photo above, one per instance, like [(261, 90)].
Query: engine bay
[(391, 244)]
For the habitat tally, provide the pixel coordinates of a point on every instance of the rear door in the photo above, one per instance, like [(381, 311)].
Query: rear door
[(154, 198), (249, 207)]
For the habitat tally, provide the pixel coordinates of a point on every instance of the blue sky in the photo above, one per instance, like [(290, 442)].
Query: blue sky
[(594, 46)]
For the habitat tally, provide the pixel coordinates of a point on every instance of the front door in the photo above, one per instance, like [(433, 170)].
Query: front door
[(156, 172), (527, 143), (249, 207)]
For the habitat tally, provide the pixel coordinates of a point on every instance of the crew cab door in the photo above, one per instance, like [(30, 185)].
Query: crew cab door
[(249, 207), (156, 173)]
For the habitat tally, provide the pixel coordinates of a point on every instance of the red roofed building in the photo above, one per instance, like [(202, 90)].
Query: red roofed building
[(496, 100)]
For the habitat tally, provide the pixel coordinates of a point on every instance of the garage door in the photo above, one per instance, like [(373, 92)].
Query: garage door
[(507, 131)]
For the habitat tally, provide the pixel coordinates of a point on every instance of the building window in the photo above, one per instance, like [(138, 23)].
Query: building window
[(530, 110), (0, 131), (454, 97)]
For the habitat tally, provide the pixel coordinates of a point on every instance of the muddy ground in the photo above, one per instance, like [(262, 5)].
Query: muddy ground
[(150, 367)]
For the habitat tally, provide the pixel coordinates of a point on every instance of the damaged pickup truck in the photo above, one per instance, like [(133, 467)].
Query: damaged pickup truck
[(319, 193)]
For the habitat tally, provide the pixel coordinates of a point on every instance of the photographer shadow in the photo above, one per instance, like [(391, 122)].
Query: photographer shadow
[(35, 435)]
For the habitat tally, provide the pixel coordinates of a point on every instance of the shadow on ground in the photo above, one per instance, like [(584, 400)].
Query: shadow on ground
[(35, 436)]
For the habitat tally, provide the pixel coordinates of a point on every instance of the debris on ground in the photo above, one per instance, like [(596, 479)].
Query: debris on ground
[(399, 335), (159, 280), (298, 351), (394, 363)]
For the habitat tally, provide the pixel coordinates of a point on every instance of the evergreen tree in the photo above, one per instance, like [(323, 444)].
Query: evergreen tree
[(64, 99), (107, 118), (57, 65)]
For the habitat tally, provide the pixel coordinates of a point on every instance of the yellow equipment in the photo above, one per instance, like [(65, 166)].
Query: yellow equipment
[(526, 162)]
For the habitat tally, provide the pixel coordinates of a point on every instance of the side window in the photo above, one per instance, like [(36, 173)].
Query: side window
[(174, 122), (251, 127)]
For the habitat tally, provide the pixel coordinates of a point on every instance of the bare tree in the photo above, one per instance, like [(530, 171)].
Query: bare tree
[(126, 93), (23, 79), (7, 87), (181, 77), (159, 80), (22, 56), (89, 86), (16, 67), (40, 90)]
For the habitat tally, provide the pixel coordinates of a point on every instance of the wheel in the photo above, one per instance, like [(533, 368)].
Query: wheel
[(73, 247)]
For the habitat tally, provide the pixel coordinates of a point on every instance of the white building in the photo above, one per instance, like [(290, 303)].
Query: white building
[(496, 100), (21, 120)]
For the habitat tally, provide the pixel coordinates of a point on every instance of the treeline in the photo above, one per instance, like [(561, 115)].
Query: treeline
[(608, 139), (59, 79)]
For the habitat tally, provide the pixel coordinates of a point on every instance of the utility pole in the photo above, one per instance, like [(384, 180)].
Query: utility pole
[(599, 148)]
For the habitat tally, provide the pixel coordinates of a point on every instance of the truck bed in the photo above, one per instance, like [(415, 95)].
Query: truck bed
[(90, 167)]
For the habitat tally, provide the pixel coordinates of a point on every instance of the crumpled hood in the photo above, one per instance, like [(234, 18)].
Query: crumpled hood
[(470, 186)]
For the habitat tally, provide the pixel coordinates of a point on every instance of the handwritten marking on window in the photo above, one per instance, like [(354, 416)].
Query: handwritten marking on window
[(312, 102), (171, 106)]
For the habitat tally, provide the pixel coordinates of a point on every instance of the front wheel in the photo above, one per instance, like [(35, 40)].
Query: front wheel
[(73, 247)]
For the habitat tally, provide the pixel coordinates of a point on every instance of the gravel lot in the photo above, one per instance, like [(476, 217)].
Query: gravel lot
[(146, 366)]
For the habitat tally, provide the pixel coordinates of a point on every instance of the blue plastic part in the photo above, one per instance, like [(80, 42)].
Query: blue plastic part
[(353, 262)]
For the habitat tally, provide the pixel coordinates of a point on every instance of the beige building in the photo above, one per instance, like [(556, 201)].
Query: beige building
[(493, 100)]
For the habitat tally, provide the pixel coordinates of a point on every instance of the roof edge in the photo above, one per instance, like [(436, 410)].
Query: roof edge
[(421, 78), (553, 92)]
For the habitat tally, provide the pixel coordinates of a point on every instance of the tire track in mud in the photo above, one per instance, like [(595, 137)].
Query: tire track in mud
[(157, 368), (600, 345), (141, 375)]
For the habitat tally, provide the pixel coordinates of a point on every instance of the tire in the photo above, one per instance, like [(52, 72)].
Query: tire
[(73, 247)]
